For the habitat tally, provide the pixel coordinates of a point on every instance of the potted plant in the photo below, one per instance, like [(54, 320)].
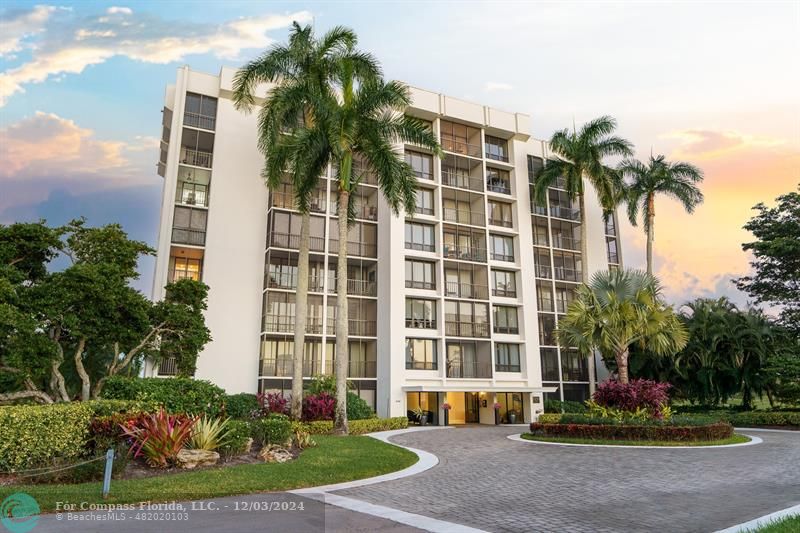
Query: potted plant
[(422, 416), (446, 409), (497, 407), (512, 417)]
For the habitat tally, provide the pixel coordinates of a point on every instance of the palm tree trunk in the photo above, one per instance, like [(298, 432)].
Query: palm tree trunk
[(650, 235), (622, 365), (342, 329), (301, 314), (585, 279)]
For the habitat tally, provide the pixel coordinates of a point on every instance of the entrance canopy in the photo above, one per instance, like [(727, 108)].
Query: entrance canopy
[(467, 387)]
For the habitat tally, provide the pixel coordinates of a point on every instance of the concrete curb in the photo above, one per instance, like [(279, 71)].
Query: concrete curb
[(762, 521), (753, 441)]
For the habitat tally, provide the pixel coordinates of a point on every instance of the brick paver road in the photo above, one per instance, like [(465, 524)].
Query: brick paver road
[(486, 481)]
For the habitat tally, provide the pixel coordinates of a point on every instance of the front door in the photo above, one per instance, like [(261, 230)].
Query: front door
[(472, 408)]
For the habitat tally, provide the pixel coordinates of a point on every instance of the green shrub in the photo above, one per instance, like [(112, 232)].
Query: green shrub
[(549, 418), (646, 432), (240, 405), (42, 435), (113, 407), (238, 433), (359, 427), (358, 408), (274, 429), (763, 418), (557, 406), (677, 420), (177, 395)]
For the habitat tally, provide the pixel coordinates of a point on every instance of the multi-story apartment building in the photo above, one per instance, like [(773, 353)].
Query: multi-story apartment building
[(456, 302)]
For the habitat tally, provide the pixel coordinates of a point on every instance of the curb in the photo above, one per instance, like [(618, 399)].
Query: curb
[(762, 521), (753, 441)]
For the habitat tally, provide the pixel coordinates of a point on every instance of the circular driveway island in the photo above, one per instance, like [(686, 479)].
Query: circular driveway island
[(486, 481)]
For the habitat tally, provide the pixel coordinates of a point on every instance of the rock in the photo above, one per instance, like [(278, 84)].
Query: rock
[(248, 446), (275, 454), (192, 458)]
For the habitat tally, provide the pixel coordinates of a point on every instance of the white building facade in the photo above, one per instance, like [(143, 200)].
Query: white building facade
[(455, 303)]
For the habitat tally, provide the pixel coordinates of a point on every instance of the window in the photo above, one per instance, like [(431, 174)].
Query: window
[(549, 364), (460, 138), (564, 297), (504, 283), (185, 268), (466, 319), (544, 297), (573, 366), (201, 111), (420, 313), (283, 231), (189, 226), (611, 226), (535, 164), (506, 357), (547, 324), (567, 266), (496, 149), (424, 202), (566, 235), (420, 275), (611, 246), (541, 260), (464, 243), (421, 354), (500, 214), (505, 319), (421, 163), (502, 248), (362, 238), (420, 237), (540, 232), (498, 180)]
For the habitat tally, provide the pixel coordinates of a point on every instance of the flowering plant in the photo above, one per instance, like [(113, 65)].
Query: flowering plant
[(497, 406), (446, 406)]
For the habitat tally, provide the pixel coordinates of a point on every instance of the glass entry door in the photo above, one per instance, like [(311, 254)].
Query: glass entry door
[(472, 407)]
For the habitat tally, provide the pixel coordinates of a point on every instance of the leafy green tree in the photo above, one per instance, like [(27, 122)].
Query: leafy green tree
[(617, 309), (675, 180), (776, 258), (304, 73), (580, 156)]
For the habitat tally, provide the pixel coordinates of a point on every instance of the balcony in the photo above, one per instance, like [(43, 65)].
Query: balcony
[(292, 241), (503, 223), (460, 146), (455, 178), (469, 369), (507, 330), (364, 212), (543, 271), (424, 210), (189, 236), (285, 200), (288, 281), (196, 158), (568, 274), (497, 256), (421, 323), (567, 213), (471, 291), (196, 120), (454, 328), (566, 242), (505, 292), (464, 216), (284, 367), (167, 367), (356, 327), (356, 287), (286, 324), (358, 249), (177, 275), (465, 253), (362, 369), (427, 285), (498, 185)]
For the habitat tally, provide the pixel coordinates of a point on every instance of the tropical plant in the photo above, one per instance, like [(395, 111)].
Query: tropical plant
[(209, 433), (676, 180), (304, 72), (320, 406), (636, 396), (270, 402), (580, 156), (617, 309), (159, 437)]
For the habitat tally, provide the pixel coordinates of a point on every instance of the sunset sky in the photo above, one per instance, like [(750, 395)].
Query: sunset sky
[(715, 84)]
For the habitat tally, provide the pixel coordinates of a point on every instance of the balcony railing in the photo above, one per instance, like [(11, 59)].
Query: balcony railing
[(469, 369), (568, 274), (567, 213), (292, 241), (365, 212), (452, 178), (466, 290), (459, 146), (423, 210), (505, 292), (413, 284), (196, 158), (284, 367), (503, 223), (543, 271), (421, 323), (507, 329), (423, 175), (288, 281), (362, 369), (465, 253), (613, 258), (286, 200), (419, 247), (506, 368), (464, 216), (356, 326), (286, 324), (356, 287), (466, 329), (498, 185), (421, 365), (189, 236), (574, 374), (566, 243), (497, 157), (360, 249), (539, 210), (167, 367), (197, 120), (540, 239), (497, 256)]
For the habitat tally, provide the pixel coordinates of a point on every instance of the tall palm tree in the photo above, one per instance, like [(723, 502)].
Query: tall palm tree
[(364, 123), (677, 180), (579, 156), (617, 309), (305, 72)]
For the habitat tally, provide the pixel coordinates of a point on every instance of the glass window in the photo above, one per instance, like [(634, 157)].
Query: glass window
[(507, 357), (573, 366), (420, 237), (505, 319), (549, 364), (498, 180), (421, 164), (421, 354), (502, 247), (500, 214), (504, 283), (185, 268), (544, 297), (424, 202), (496, 148), (420, 313), (420, 275), (547, 324)]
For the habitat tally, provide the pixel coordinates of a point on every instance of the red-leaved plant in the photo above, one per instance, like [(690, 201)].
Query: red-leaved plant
[(270, 402), (319, 406), (637, 394), (158, 437)]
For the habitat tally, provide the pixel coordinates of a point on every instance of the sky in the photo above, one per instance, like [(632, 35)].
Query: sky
[(716, 84)]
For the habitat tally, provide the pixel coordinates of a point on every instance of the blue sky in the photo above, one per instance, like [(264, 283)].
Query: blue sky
[(712, 83)]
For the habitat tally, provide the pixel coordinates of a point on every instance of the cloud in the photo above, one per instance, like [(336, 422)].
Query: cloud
[(492, 86), (18, 25), (74, 44)]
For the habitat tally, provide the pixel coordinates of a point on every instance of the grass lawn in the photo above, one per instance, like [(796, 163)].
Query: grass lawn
[(333, 460), (735, 439), (790, 524)]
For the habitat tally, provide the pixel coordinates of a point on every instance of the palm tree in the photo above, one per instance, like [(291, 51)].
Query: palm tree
[(290, 137), (677, 180), (617, 309), (579, 156), (363, 124)]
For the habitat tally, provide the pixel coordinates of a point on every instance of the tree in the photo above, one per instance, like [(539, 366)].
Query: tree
[(616, 310), (304, 71), (64, 333), (676, 180), (580, 156), (776, 258)]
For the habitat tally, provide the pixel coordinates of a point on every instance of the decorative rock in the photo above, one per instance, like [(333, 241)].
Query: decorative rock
[(275, 454), (192, 458)]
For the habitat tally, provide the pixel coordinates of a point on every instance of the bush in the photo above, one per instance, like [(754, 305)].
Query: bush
[(674, 421), (208, 433), (549, 418), (159, 437), (113, 407), (358, 408), (557, 406), (238, 433), (359, 427), (270, 402), (274, 429), (177, 395), (320, 406), (638, 394), (241, 406), (647, 432), (763, 418)]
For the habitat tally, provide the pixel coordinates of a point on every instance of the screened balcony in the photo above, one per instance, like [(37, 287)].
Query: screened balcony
[(364, 201), (189, 226), (466, 281), (463, 207), (496, 149), (562, 206), (280, 272), (361, 279), (361, 317), (200, 111), (462, 172), (283, 197), (193, 186), (283, 231), (185, 263), (501, 214), (469, 360), (566, 235), (498, 180), (460, 138), (362, 239), (196, 148), (567, 266), (464, 244), (466, 319)]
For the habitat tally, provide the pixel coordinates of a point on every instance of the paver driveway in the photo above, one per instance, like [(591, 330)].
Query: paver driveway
[(486, 481)]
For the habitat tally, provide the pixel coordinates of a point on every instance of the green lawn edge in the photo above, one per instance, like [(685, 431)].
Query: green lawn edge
[(333, 460), (735, 439), (787, 524)]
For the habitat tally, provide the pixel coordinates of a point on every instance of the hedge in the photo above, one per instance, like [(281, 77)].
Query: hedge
[(359, 427), (274, 429), (557, 406), (177, 395), (671, 433), (549, 418), (240, 406), (761, 418)]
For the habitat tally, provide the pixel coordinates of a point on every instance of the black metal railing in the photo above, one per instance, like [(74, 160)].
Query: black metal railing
[(460, 146), (360, 249), (464, 216), (453, 178), (466, 329), (465, 253), (193, 237), (469, 369), (292, 241), (421, 323), (414, 284), (457, 289)]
